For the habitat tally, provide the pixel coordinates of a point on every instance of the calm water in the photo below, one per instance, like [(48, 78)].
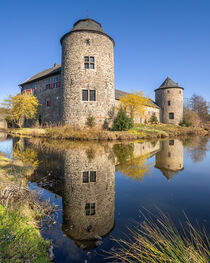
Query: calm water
[(99, 189)]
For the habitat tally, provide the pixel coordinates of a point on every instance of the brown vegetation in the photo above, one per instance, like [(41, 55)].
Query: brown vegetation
[(148, 131)]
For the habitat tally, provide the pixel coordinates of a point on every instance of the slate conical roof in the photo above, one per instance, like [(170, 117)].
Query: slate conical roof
[(87, 25), (169, 83)]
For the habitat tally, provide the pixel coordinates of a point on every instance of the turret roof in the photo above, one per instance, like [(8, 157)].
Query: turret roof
[(169, 83), (87, 24)]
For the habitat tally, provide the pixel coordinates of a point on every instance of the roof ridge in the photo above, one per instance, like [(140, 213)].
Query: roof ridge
[(42, 74)]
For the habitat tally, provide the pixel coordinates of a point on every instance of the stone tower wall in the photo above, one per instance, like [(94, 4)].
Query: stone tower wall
[(75, 77), (175, 96)]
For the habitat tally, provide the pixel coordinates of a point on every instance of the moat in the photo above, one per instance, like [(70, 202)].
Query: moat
[(100, 188)]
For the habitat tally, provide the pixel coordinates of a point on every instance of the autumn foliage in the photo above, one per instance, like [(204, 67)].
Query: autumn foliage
[(135, 103), (21, 107)]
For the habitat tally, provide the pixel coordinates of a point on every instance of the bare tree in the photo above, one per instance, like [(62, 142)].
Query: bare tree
[(199, 104)]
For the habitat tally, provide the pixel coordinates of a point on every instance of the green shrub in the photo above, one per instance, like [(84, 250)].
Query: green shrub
[(90, 121), (122, 122), (153, 119), (185, 122)]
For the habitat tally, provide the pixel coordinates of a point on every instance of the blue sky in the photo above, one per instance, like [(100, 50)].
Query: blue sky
[(154, 39)]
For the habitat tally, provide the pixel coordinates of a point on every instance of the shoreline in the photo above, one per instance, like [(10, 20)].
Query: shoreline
[(155, 131), (20, 221)]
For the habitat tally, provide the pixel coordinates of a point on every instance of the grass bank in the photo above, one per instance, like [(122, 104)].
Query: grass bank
[(20, 214), (140, 131)]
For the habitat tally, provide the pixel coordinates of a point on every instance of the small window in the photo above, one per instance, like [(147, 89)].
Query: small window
[(180, 92), (87, 41), (92, 65), (169, 154), (171, 142), (168, 91), (89, 62), (171, 115), (93, 176), (169, 102), (92, 95), (85, 177), (48, 103), (56, 82), (90, 209), (47, 86), (86, 65), (85, 95), (86, 59)]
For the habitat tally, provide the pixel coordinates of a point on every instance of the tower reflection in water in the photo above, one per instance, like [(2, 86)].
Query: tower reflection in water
[(84, 176), (170, 158), (89, 194)]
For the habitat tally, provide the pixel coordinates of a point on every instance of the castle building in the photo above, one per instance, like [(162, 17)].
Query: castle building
[(83, 85)]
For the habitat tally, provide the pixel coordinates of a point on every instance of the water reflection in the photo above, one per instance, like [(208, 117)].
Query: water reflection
[(170, 158), (131, 159), (89, 194), (197, 147), (6, 145), (83, 175)]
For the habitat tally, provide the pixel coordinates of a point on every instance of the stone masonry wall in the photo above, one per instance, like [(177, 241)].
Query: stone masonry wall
[(49, 113), (175, 96), (75, 78)]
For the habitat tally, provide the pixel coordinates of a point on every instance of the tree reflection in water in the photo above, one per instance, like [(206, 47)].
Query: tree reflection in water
[(197, 147)]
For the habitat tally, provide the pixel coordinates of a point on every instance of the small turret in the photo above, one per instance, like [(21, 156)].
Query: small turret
[(169, 97)]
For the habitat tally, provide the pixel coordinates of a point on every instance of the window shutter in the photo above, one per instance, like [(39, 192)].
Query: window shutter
[(51, 85), (59, 83)]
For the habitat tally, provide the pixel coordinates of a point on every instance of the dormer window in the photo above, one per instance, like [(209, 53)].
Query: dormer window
[(89, 62)]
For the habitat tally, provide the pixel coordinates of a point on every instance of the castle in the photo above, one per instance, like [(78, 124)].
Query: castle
[(84, 86)]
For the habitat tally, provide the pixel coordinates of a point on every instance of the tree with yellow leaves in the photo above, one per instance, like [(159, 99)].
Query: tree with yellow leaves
[(20, 107), (24, 106), (135, 103)]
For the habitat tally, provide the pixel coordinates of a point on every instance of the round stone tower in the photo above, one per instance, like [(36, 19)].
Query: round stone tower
[(169, 97), (87, 75)]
